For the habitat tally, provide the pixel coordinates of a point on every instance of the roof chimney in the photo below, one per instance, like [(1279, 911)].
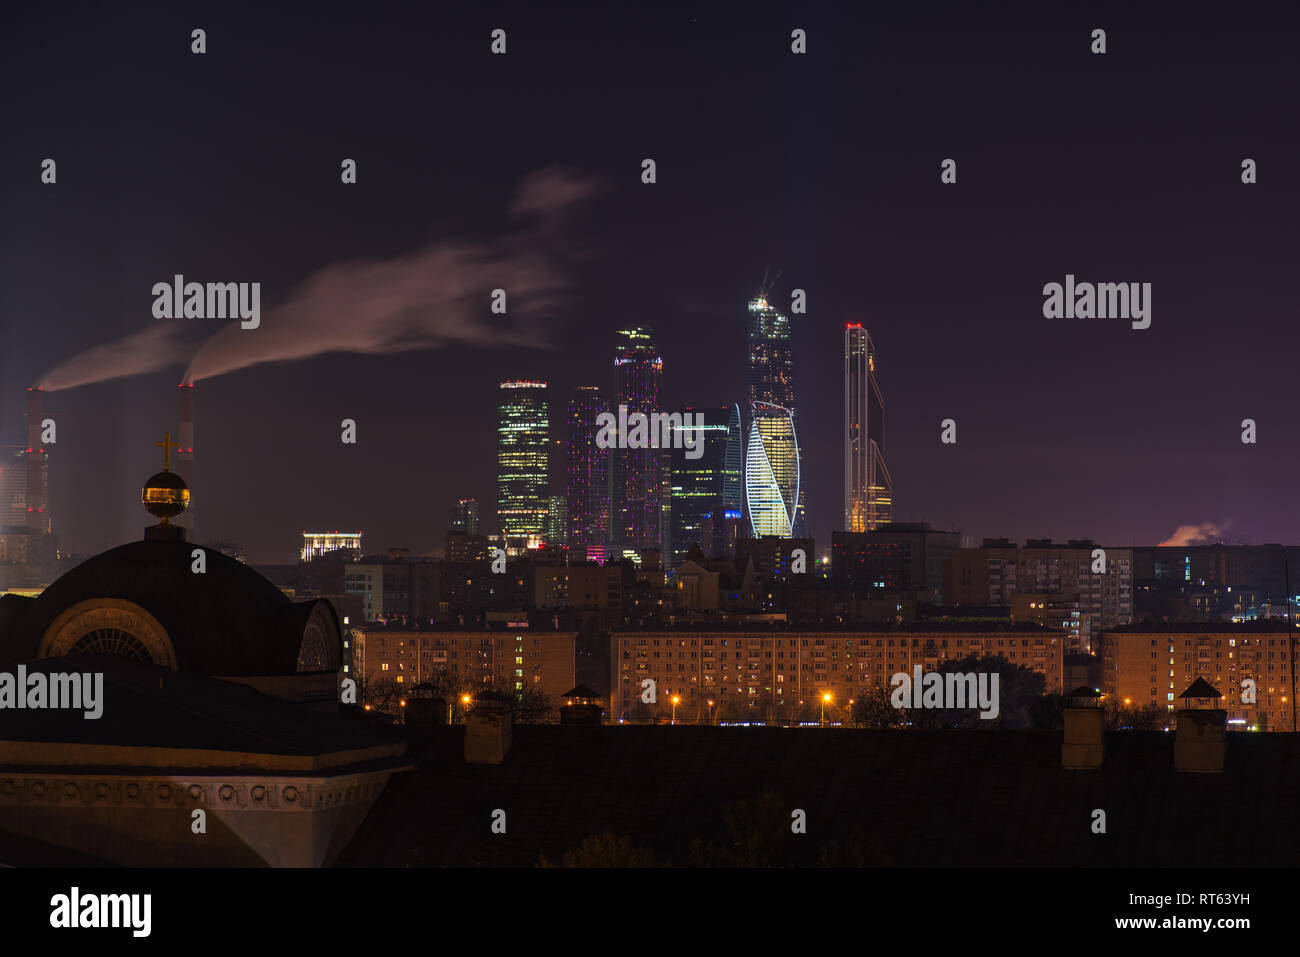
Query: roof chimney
[(487, 729), (1199, 742), (38, 514), (1084, 748)]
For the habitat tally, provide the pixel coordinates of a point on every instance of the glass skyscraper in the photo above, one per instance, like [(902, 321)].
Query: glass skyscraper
[(772, 459), (704, 485), (522, 455), (466, 516), (639, 477), (587, 486), (868, 487)]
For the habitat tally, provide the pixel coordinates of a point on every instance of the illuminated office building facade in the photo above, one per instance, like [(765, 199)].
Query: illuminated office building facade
[(639, 477), (317, 544), (772, 457), (466, 516), (523, 428), (587, 482), (707, 484)]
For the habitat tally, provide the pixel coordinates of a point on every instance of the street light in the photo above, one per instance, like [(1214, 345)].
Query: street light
[(675, 702), (826, 699), (710, 711)]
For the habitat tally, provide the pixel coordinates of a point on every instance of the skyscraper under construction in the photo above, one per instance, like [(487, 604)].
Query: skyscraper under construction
[(868, 488)]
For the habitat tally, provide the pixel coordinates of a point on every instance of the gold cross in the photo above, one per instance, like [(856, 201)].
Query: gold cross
[(167, 445)]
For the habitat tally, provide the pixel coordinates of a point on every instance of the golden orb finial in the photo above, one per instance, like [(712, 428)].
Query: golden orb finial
[(165, 495)]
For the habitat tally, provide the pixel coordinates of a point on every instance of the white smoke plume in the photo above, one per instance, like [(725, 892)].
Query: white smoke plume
[(152, 348), (433, 297), (1192, 534)]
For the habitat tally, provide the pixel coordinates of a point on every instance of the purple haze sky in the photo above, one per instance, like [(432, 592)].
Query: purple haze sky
[(225, 167)]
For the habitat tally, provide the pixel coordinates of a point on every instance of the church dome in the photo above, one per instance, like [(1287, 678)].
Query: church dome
[(146, 600)]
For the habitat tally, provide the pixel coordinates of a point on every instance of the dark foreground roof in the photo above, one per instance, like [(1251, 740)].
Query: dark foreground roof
[(191, 720), (947, 798)]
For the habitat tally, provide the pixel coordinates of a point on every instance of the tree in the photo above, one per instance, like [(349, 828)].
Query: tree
[(1019, 687), (1048, 712), (874, 709), (758, 835), (532, 706), (856, 851), (1120, 718), (382, 694), (451, 686), (606, 849)]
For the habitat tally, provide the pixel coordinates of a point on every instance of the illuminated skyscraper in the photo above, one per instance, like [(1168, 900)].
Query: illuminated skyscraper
[(772, 471), (639, 476), (772, 459), (587, 487), (868, 488), (557, 520), (733, 482), (707, 484), (522, 456), (466, 516)]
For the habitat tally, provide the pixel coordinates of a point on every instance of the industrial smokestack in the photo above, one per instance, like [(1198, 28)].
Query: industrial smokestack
[(185, 454), (38, 513)]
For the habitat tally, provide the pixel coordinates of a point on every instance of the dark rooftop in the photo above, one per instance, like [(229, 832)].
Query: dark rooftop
[(148, 707), (1200, 688), (947, 798), (1202, 627), (916, 627)]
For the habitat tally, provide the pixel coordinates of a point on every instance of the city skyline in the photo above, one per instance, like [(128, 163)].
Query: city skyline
[(948, 278)]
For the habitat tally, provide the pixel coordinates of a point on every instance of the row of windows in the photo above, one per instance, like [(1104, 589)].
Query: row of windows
[(450, 643), (820, 642), (711, 658)]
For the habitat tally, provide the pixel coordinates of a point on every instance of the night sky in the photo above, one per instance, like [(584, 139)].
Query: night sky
[(1123, 167)]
